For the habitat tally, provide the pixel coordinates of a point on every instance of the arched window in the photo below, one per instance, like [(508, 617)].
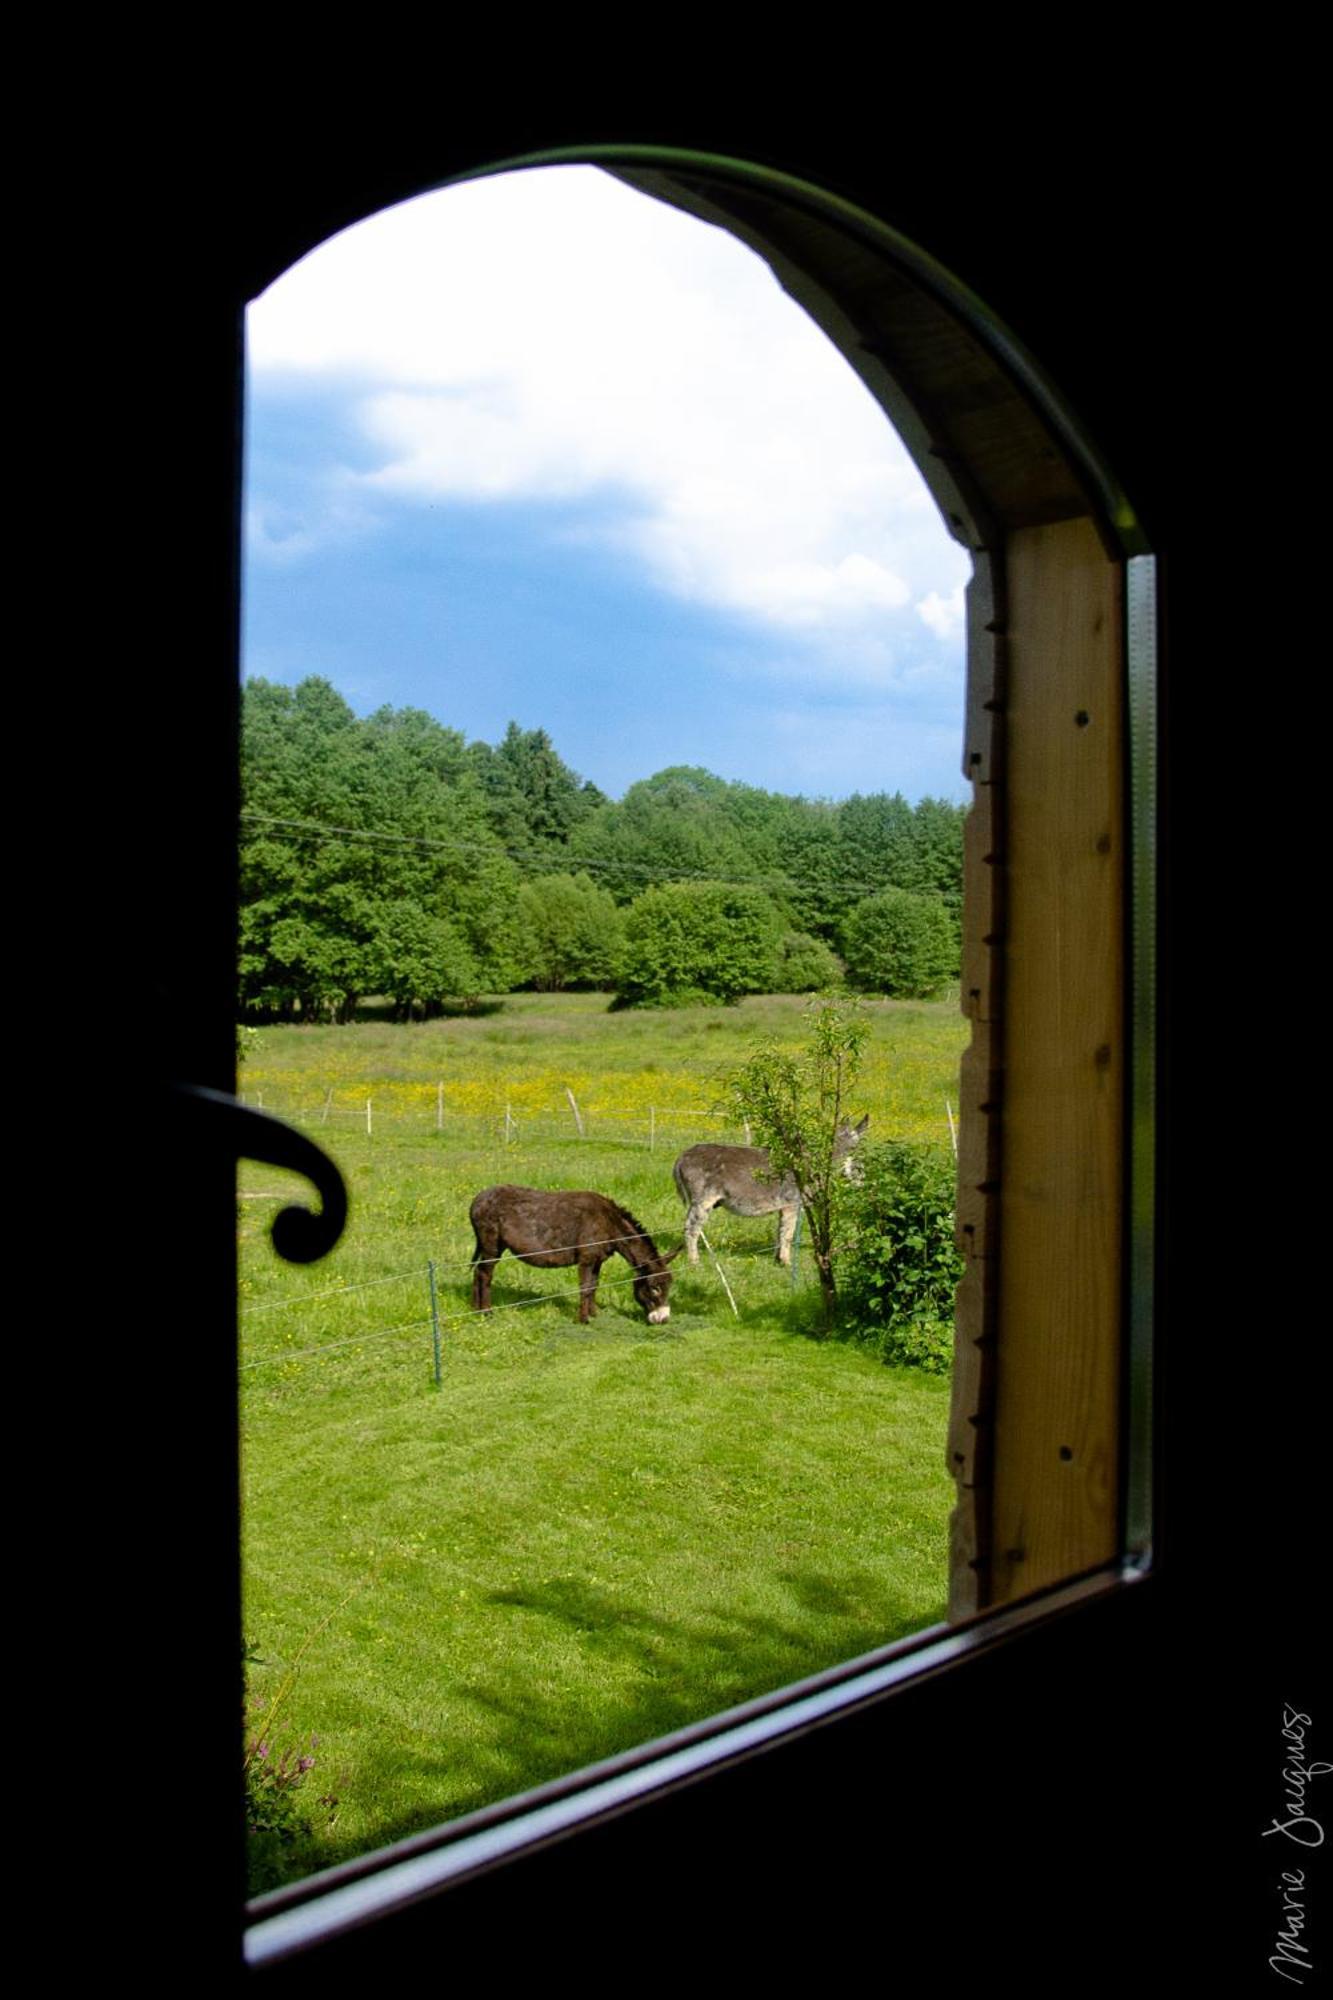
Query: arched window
[(1049, 1442)]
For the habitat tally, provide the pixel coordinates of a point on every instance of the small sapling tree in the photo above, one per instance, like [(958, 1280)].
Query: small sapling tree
[(796, 1101)]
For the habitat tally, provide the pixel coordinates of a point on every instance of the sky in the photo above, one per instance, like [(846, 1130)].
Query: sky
[(540, 448)]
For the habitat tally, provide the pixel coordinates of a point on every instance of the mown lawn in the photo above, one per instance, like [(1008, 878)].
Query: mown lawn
[(585, 1536)]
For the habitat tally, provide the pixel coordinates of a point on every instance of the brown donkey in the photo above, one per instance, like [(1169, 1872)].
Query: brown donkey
[(566, 1227)]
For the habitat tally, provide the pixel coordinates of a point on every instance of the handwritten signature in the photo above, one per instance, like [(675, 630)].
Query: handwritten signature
[(1292, 1960)]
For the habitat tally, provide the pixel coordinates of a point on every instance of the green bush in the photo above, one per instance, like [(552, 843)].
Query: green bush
[(899, 1270), (806, 965), (901, 944), (573, 932), (692, 941)]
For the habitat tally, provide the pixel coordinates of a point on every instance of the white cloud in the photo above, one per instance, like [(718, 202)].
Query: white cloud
[(554, 335), (944, 615)]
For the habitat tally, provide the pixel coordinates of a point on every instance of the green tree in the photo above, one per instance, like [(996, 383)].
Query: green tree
[(420, 960), (901, 944), (305, 918), (369, 862), (805, 965), (797, 1103), (534, 800), (814, 867), (691, 941), (675, 824), (937, 854), (883, 843), (875, 846), (573, 932)]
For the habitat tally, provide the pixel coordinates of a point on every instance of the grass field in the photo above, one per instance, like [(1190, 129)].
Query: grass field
[(584, 1536)]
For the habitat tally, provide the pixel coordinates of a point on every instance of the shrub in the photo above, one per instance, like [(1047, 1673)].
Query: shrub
[(901, 944), (688, 941), (898, 1273), (806, 965), (574, 930)]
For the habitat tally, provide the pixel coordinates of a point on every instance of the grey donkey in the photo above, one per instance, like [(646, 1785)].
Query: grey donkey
[(709, 1177)]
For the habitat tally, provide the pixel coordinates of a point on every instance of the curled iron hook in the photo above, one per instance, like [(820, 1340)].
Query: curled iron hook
[(212, 1118)]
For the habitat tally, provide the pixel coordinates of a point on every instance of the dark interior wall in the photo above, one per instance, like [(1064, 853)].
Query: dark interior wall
[(1047, 1809)]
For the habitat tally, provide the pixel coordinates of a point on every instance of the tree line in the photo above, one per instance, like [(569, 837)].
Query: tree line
[(388, 856)]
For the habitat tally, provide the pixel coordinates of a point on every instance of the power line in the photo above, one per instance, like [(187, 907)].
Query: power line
[(318, 830)]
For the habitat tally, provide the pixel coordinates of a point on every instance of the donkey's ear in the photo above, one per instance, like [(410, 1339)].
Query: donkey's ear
[(859, 1129)]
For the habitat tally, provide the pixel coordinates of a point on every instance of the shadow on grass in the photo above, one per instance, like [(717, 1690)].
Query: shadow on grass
[(656, 1675), (511, 1300), (373, 1009), (699, 1310)]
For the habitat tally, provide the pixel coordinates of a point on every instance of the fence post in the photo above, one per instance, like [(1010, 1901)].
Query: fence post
[(328, 1099), (796, 1245), (575, 1109), (368, 1128), (434, 1320)]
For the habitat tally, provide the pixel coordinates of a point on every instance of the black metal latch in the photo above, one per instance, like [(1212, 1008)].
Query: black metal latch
[(211, 1118)]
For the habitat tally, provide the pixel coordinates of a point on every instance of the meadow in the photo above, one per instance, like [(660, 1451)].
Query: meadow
[(580, 1537)]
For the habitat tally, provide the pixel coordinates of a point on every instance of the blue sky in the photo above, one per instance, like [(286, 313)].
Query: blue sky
[(539, 448)]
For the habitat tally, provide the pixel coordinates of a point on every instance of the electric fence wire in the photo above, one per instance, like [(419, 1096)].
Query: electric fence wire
[(553, 1297), (443, 1270)]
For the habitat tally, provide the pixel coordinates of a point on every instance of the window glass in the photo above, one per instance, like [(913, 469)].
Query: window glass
[(604, 667)]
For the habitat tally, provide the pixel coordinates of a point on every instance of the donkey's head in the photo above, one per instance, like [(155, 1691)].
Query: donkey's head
[(652, 1285), (845, 1142)]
